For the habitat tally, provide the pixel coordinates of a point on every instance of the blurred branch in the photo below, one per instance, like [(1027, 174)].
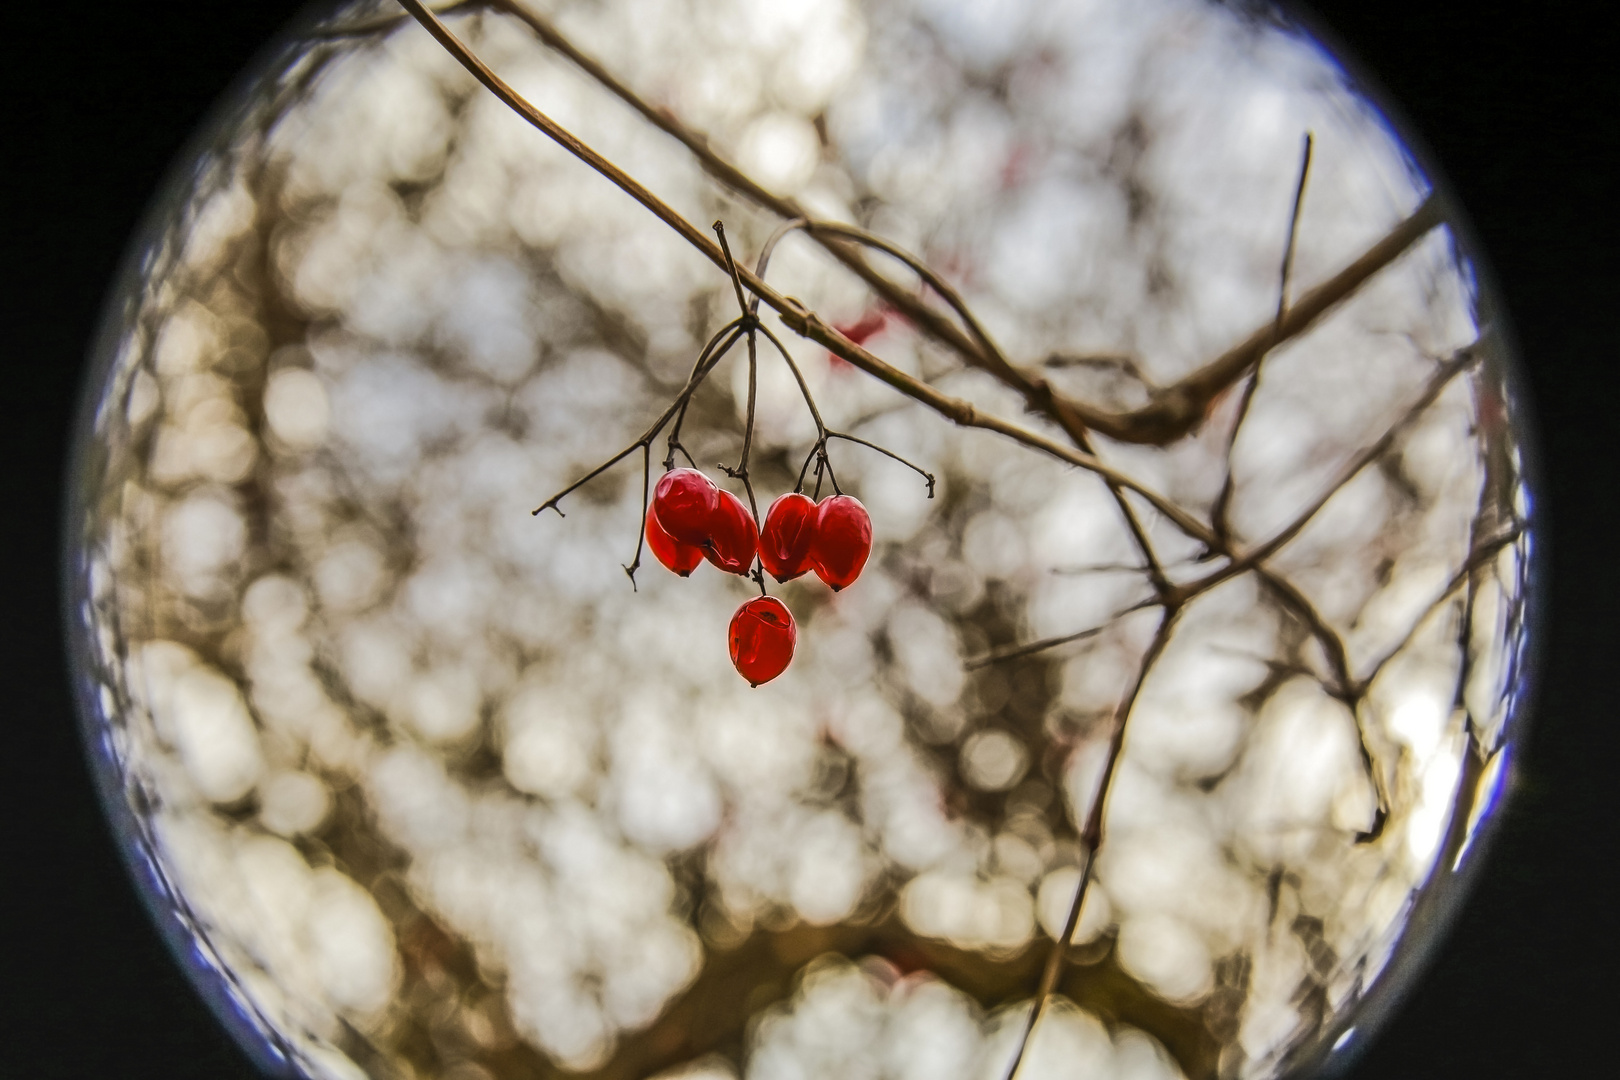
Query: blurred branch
[(1013, 652)]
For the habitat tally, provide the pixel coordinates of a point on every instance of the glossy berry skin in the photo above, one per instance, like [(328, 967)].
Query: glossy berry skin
[(842, 541), (733, 538), (684, 502), (784, 542), (679, 557), (762, 638)]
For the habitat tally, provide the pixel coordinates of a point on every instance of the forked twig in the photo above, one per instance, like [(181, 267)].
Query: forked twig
[(1460, 361), (711, 355), (1481, 555), (795, 315), (1171, 413)]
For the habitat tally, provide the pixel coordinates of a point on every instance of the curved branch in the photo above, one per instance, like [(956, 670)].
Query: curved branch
[(793, 314), (1175, 411)]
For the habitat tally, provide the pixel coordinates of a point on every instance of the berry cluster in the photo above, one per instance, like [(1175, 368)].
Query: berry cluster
[(693, 519)]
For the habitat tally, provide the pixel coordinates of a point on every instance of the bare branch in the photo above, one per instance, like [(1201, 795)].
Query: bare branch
[(1091, 834), (706, 361), (1174, 412), (1223, 500), (1179, 409), (1481, 555), (641, 533), (1460, 361), (794, 314), (1013, 652)]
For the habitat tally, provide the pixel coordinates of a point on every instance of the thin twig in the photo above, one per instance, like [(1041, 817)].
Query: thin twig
[(1480, 556), (750, 324), (1460, 361), (691, 381), (383, 23), (823, 432), (1091, 834), (1218, 513), (711, 355), (927, 476), (1098, 568), (1014, 652)]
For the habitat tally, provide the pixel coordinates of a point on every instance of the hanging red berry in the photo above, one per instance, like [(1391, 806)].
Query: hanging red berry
[(762, 639), (685, 502), (679, 557), (733, 537), (843, 540), (784, 542)]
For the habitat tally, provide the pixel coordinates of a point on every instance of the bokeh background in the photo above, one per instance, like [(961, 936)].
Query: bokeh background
[(73, 957)]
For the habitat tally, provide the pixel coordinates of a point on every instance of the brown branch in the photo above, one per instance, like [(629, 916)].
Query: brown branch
[(794, 314), (1223, 501), (1460, 361), (1014, 652), (1480, 556), (383, 23), (1179, 409), (1174, 412), (1091, 836)]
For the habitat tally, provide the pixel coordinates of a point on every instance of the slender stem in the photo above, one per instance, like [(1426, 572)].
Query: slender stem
[(1460, 361), (699, 373), (798, 377), (750, 324), (769, 249), (733, 328), (641, 533), (927, 476), (1014, 652), (1091, 834), (1218, 513)]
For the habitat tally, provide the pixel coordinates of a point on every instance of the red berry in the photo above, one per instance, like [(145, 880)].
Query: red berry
[(679, 557), (762, 639), (784, 542), (842, 541), (684, 503), (733, 537)]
